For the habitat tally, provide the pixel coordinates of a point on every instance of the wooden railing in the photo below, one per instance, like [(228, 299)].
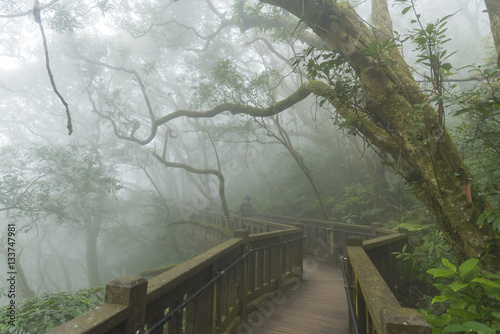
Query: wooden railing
[(326, 240), (373, 269), (215, 292), (373, 272), (219, 290), (371, 277)]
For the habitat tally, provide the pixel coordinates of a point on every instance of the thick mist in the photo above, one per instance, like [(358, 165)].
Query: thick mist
[(166, 100)]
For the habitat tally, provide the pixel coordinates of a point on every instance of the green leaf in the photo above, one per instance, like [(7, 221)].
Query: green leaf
[(459, 312), (406, 10), (496, 223), (486, 282), (75, 313), (479, 327), (441, 272), (454, 328), (446, 66), (444, 288), (448, 264), (458, 285), (467, 266), (441, 298)]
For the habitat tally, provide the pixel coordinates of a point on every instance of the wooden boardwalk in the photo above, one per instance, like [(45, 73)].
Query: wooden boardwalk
[(319, 305)]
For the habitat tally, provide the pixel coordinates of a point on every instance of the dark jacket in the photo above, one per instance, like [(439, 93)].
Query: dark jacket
[(245, 209)]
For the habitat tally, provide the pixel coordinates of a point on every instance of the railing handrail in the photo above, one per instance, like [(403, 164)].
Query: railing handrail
[(377, 309), (121, 314), (132, 302), (337, 226)]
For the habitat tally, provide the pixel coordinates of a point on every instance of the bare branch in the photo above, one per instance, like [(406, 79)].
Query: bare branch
[(36, 15), (217, 173), (134, 74), (271, 48)]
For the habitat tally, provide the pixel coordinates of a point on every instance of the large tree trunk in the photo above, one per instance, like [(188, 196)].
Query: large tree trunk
[(422, 150), (92, 229), (23, 288), (493, 7)]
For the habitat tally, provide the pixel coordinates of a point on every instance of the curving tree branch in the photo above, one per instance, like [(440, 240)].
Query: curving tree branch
[(36, 15), (218, 173)]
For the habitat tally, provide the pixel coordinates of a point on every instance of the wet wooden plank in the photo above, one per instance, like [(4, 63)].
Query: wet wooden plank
[(319, 305)]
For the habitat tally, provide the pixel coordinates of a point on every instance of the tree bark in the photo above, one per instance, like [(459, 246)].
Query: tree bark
[(493, 7), (63, 268), (23, 288), (92, 229), (422, 150)]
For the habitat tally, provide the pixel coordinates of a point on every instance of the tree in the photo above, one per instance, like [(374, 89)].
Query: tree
[(398, 119), (494, 14), (387, 107), (393, 114), (69, 185), (362, 74)]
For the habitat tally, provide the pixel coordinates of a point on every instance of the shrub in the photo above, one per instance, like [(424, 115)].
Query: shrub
[(472, 299), (46, 311)]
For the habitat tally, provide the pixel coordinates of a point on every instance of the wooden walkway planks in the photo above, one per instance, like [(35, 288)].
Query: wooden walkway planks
[(319, 305)]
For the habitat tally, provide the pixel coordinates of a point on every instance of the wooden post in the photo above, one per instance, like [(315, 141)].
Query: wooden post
[(374, 227), (299, 252), (244, 234), (332, 247), (281, 264), (354, 241), (129, 291)]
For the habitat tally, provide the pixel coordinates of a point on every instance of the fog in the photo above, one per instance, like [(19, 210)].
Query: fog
[(93, 206)]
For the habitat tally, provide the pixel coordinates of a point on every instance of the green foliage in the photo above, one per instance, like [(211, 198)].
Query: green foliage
[(46, 311), (355, 206), (427, 250), (380, 51), (478, 135), (63, 182), (490, 216), (64, 20), (332, 68), (429, 40), (471, 296), (226, 83)]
